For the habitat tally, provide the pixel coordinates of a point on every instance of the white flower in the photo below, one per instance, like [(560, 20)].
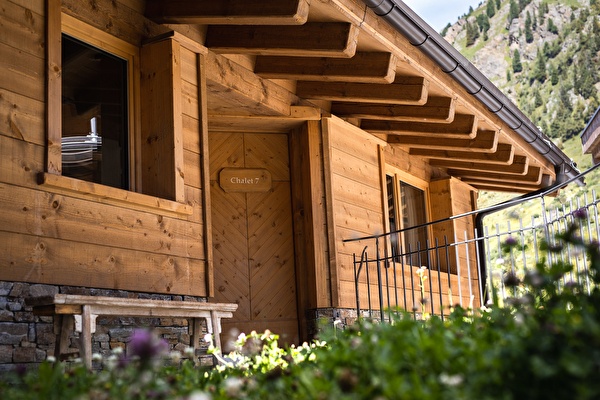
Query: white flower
[(189, 351), (96, 357), (233, 386), (175, 356), (199, 396), (450, 380), (51, 359), (208, 338)]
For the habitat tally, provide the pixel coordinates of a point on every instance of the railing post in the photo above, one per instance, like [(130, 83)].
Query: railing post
[(379, 280)]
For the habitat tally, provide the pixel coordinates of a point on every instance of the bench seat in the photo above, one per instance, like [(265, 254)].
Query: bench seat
[(79, 312)]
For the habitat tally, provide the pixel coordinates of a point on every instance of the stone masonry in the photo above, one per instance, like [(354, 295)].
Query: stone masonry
[(27, 340)]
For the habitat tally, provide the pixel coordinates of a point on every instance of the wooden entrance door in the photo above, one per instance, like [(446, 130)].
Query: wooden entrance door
[(253, 237)]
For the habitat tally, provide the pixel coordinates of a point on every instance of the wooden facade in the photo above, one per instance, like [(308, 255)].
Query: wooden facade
[(259, 138)]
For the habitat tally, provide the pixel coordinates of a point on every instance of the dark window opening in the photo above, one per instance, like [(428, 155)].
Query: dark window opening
[(404, 213), (94, 115)]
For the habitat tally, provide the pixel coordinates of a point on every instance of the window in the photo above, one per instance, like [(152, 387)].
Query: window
[(103, 142), (95, 115), (407, 208)]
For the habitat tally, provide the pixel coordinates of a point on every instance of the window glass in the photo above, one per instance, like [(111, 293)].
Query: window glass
[(413, 205), (94, 114), (407, 209)]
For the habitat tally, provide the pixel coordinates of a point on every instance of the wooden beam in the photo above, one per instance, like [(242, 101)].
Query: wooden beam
[(162, 152), (519, 165), (409, 90), (54, 86), (242, 91), (438, 109), (264, 123), (366, 67), (229, 12), (533, 176), (486, 141), (313, 39), (502, 186), (503, 155), (463, 126)]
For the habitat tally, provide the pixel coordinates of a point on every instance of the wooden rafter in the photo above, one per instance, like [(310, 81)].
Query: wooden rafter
[(519, 165), (229, 12), (502, 185), (313, 39), (533, 175), (367, 67), (409, 90), (486, 141), (503, 155), (462, 126), (437, 109)]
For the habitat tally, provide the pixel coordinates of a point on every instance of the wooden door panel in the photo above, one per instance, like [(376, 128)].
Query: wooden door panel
[(230, 250), (253, 238), (268, 151), (226, 150)]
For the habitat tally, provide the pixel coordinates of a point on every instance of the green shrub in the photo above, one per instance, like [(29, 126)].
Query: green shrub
[(543, 343)]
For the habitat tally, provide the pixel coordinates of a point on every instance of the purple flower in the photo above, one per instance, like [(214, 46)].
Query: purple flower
[(146, 345), (580, 214), (510, 241)]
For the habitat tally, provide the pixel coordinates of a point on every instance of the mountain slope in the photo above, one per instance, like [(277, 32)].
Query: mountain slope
[(543, 54)]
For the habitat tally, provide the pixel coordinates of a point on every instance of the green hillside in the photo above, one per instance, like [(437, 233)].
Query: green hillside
[(545, 56)]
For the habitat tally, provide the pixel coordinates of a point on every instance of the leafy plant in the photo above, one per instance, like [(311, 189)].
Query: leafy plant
[(544, 343)]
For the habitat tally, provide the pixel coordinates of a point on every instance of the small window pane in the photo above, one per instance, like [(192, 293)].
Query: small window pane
[(413, 205), (94, 115)]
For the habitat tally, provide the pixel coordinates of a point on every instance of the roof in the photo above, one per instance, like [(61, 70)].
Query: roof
[(374, 63)]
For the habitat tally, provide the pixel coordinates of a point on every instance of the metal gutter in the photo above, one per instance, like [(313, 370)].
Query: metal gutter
[(432, 44)]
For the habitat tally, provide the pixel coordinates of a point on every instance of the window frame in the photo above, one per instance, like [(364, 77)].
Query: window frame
[(397, 177), (52, 178), (128, 52)]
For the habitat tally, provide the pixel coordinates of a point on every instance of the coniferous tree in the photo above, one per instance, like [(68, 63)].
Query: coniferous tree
[(553, 72), (516, 62), (528, 31), (484, 22), (551, 27), (472, 34), (539, 72), (537, 99), (513, 11), (490, 8)]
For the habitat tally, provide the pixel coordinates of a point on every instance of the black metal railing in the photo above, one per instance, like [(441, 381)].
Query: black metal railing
[(431, 277)]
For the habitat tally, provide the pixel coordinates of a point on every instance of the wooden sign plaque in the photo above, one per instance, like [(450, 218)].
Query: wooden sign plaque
[(245, 180)]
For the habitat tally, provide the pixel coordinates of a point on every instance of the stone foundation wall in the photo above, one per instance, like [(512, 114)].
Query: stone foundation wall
[(27, 340), (321, 318)]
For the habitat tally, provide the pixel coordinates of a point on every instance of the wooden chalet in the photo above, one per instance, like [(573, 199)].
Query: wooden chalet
[(590, 137), (224, 150)]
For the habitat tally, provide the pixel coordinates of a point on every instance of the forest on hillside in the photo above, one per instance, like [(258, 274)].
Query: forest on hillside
[(546, 57)]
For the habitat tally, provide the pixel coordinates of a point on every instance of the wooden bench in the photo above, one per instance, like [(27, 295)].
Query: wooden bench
[(79, 312)]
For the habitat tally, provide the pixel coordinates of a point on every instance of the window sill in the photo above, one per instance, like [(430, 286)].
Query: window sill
[(113, 196)]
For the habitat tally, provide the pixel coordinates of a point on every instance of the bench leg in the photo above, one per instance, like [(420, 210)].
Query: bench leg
[(196, 334), (216, 325), (63, 327), (86, 336)]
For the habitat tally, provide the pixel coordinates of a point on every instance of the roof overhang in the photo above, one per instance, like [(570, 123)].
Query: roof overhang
[(374, 63)]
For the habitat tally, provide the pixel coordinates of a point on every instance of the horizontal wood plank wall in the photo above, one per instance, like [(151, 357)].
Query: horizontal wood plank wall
[(53, 237), (452, 197), (355, 200)]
